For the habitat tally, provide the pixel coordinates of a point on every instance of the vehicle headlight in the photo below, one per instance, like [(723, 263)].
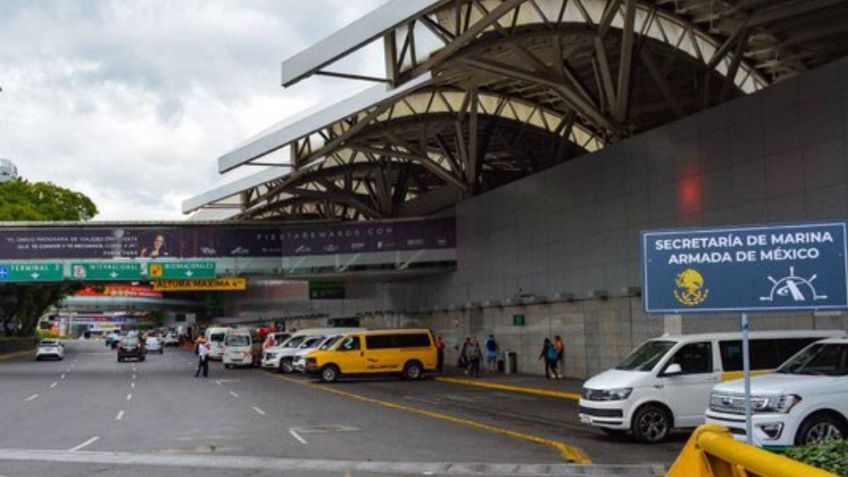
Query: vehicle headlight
[(781, 404), (618, 394)]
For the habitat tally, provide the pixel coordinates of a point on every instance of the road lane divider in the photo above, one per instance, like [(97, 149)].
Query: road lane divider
[(62, 376), (259, 411), (33, 397), (566, 451), (119, 416), (129, 397), (55, 383), (84, 444), (132, 385), (233, 394), (510, 387), (298, 437)]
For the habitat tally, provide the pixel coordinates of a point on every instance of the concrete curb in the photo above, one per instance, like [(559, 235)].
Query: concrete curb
[(17, 354), (511, 388)]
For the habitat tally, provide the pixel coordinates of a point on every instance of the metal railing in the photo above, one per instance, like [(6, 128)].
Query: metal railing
[(713, 452)]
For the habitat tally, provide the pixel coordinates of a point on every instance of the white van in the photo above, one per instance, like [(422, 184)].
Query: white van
[(215, 338), (804, 402), (666, 382), (242, 348), (282, 357)]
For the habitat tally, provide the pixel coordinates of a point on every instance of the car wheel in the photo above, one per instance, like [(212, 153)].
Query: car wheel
[(651, 424), (330, 373), (120, 359), (820, 428), (413, 370), (286, 366), (228, 366)]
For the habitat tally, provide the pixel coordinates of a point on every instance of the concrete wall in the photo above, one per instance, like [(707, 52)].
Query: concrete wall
[(775, 156)]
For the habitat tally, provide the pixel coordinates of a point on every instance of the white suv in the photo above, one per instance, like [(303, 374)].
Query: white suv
[(804, 401)]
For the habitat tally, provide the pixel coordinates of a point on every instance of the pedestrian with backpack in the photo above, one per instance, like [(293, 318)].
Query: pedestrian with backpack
[(549, 354)]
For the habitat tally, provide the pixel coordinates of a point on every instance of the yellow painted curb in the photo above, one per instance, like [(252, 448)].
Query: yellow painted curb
[(17, 354), (570, 453), (511, 388)]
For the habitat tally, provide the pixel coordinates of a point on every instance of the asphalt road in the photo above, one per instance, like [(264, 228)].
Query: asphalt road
[(90, 414)]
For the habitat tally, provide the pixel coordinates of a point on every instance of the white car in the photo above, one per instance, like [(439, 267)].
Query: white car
[(52, 349), (805, 401), (171, 339), (154, 345), (665, 383), (299, 360), (287, 356)]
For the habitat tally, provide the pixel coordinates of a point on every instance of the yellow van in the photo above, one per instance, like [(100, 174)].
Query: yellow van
[(409, 352)]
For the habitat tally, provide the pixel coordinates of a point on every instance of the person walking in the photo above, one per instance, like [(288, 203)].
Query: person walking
[(472, 353), (560, 349), (203, 359), (492, 349), (549, 355), (440, 354), (462, 362)]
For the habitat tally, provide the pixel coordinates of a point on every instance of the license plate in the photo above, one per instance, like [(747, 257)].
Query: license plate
[(585, 419)]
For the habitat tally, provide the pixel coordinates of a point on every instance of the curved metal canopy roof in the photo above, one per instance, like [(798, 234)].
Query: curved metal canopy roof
[(478, 93)]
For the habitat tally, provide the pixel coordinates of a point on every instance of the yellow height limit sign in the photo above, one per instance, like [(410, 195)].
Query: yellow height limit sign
[(212, 284)]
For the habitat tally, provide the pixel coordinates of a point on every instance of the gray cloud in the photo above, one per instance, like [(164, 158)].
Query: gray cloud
[(132, 101)]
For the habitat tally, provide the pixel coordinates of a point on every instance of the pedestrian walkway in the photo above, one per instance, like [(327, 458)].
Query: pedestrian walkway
[(517, 382)]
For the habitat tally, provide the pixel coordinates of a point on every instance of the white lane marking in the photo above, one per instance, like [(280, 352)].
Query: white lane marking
[(132, 385), (84, 444), (129, 396), (133, 376), (233, 394), (260, 411), (55, 383), (119, 416), (31, 397), (62, 377), (297, 436)]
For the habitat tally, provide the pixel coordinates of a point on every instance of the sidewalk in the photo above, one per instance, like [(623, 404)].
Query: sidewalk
[(566, 388)]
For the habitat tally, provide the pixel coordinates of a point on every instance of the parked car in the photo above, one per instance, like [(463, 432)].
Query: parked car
[(805, 401), (299, 360), (408, 352), (131, 347), (282, 357), (665, 383), (241, 348), (154, 345), (53, 349), (171, 339), (215, 337)]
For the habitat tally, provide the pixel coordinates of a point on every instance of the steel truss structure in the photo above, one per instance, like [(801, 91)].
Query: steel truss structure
[(488, 91)]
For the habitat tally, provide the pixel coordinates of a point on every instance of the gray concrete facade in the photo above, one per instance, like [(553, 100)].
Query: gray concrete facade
[(779, 155)]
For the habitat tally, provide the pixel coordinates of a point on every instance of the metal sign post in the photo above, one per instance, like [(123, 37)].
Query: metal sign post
[(746, 368), (779, 268)]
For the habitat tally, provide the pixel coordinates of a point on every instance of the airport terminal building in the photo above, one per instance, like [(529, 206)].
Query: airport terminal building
[(551, 133)]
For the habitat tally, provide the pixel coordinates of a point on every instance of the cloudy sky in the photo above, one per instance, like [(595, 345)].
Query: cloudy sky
[(131, 102)]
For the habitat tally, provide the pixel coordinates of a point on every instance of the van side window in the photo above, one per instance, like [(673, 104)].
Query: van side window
[(765, 354), (694, 358), (380, 341), (351, 343), (412, 341)]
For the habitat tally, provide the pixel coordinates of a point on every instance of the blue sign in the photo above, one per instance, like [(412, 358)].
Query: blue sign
[(4, 273), (744, 269)]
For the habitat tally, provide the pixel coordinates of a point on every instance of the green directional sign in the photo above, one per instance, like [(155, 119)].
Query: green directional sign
[(180, 270), (31, 272), (106, 271)]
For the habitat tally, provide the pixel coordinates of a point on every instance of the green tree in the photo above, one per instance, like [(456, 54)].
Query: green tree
[(21, 305)]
